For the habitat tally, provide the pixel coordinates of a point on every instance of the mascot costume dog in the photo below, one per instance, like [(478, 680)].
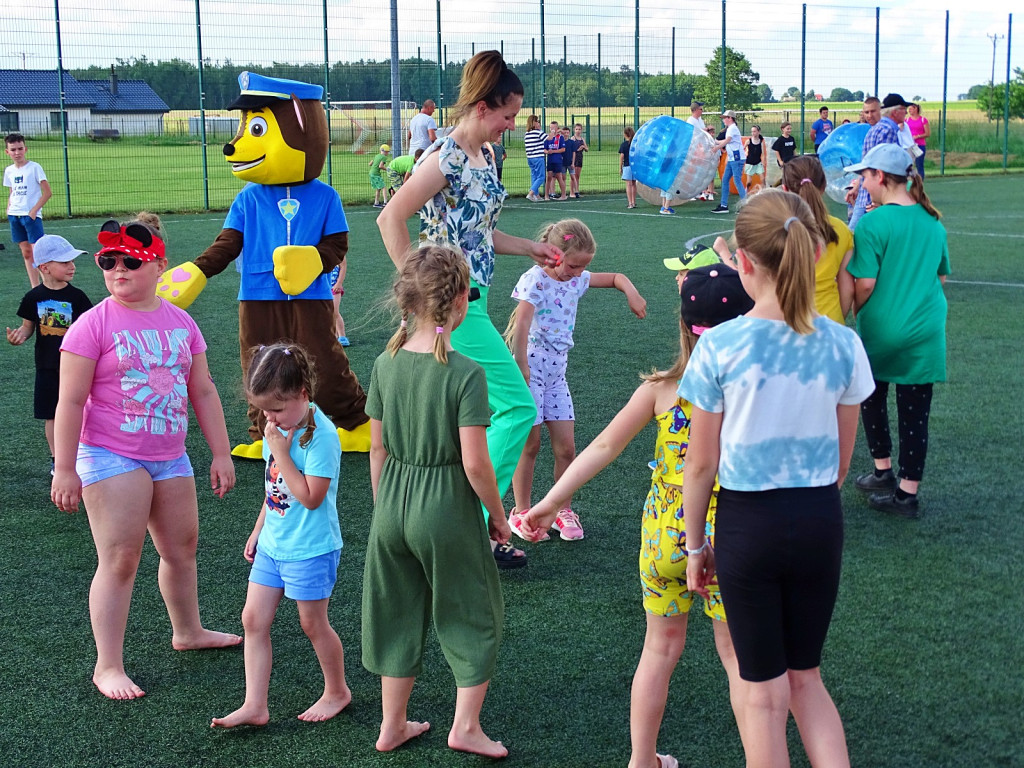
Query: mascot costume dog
[(289, 230)]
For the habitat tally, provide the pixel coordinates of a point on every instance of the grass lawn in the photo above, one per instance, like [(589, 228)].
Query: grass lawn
[(925, 650)]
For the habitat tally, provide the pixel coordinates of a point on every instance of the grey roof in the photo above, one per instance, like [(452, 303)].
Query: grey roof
[(132, 96), (38, 88)]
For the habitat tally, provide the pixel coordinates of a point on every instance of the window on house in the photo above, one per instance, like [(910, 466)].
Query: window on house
[(55, 121), (9, 122)]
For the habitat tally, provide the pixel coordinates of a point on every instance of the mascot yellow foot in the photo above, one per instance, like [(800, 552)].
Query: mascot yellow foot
[(355, 440), (352, 441), (248, 450)]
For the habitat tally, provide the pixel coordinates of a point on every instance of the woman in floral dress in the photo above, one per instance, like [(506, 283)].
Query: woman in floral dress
[(457, 194)]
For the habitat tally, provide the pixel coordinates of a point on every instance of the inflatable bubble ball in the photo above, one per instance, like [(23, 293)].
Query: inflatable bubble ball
[(844, 146), (668, 155)]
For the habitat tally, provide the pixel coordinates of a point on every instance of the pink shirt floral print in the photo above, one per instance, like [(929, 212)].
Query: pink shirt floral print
[(138, 405)]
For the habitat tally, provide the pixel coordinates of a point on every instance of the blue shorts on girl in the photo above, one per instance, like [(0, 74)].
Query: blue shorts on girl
[(311, 579), (554, 319)]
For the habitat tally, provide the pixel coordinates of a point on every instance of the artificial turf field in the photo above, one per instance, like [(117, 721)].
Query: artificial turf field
[(924, 657)]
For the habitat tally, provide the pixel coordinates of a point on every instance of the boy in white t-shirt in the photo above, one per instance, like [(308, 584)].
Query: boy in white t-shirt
[(29, 192)]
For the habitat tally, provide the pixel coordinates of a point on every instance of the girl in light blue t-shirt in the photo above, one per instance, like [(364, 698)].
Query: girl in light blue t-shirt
[(296, 543), (775, 398)]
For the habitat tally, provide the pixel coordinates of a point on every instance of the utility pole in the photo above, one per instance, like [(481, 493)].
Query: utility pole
[(992, 80)]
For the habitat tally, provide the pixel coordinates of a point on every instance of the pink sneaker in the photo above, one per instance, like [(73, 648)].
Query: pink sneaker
[(515, 520), (568, 525)]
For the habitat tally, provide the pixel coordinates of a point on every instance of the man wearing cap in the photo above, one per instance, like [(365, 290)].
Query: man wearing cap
[(51, 308), (697, 121), (732, 144), (422, 128), (885, 131), (290, 230)]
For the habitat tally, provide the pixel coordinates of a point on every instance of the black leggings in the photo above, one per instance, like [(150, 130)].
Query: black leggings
[(778, 555), (913, 405)]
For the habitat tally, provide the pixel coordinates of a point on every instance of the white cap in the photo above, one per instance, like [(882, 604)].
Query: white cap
[(53, 248)]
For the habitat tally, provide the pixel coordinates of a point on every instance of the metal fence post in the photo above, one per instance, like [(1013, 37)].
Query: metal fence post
[(945, 81), (673, 85), (327, 83), (803, 77), (440, 68), (723, 58), (600, 95), (878, 22), (533, 75), (1006, 105), (636, 67), (565, 79), (63, 108), (543, 84)]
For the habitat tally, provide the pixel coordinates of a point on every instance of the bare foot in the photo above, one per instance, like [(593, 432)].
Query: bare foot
[(117, 685), (327, 707), (206, 638), (389, 740), (477, 743), (244, 715)]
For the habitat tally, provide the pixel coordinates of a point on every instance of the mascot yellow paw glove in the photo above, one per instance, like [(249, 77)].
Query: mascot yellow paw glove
[(181, 285), (296, 267)]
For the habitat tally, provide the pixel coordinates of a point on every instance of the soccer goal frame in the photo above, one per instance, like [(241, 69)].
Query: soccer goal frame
[(368, 124)]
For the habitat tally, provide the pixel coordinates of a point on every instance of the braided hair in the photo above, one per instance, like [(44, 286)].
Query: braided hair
[(283, 370), (430, 281)]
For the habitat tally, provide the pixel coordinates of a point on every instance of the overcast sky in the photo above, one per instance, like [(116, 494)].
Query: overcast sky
[(840, 51)]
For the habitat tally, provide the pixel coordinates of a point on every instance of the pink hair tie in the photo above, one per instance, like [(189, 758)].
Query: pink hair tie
[(567, 238), (805, 181), (404, 323), (439, 329), (699, 329)]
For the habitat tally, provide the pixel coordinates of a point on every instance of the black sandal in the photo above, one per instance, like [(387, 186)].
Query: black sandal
[(507, 556)]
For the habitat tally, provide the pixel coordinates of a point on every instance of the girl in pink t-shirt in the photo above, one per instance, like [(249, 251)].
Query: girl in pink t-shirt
[(128, 373)]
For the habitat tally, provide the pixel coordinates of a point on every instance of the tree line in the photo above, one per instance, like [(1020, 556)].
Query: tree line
[(566, 84)]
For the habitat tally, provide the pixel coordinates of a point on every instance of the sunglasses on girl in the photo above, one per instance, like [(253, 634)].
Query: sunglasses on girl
[(107, 262)]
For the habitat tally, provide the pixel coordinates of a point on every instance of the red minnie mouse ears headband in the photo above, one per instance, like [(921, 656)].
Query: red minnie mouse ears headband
[(135, 239)]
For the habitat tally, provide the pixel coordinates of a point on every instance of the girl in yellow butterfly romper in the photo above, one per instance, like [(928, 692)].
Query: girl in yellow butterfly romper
[(710, 295)]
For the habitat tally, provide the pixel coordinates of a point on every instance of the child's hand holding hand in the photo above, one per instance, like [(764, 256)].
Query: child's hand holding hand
[(497, 525), (538, 519), (700, 571)]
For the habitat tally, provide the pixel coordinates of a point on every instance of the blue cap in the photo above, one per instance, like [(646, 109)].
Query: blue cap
[(259, 91)]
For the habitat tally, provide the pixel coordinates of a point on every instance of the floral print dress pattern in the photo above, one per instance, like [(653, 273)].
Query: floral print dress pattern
[(465, 213)]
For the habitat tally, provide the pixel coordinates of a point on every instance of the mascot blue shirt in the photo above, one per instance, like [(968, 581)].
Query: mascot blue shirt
[(272, 215)]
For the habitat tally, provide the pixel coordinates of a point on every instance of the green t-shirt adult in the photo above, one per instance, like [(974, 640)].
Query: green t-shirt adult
[(402, 164), (903, 323)]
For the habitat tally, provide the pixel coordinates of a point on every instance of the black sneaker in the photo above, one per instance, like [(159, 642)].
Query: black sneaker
[(871, 482), (720, 209), (887, 502)]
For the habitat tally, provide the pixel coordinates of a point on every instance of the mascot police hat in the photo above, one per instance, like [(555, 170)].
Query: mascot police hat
[(259, 91)]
